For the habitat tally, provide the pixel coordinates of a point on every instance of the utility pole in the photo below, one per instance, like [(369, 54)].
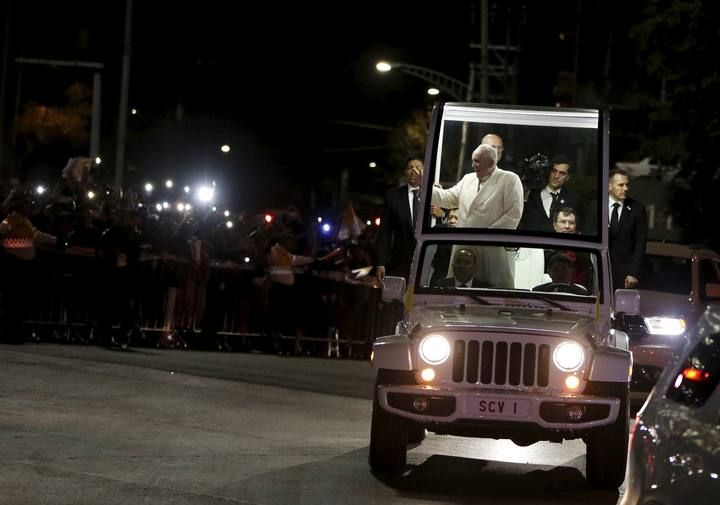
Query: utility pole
[(3, 80), (576, 53), (496, 61), (484, 61), (497, 72), (498, 67), (123, 109), (469, 96)]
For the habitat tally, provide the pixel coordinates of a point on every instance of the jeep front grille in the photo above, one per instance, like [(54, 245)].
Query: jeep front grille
[(501, 363)]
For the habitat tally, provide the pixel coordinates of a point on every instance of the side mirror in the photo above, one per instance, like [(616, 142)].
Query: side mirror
[(627, 301), (712, 290), (393, 288), (627, 314)]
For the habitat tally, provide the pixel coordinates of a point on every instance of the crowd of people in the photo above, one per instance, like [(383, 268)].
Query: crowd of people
[(117, 228)]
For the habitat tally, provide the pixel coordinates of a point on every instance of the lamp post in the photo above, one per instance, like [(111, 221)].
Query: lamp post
[(449, 85), (445, 83)]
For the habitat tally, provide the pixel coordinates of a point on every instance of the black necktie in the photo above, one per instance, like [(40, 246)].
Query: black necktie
[(614, 218), (553, 203), (415, 205)]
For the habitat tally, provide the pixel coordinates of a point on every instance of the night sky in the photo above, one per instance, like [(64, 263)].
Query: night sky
[(275, 81)]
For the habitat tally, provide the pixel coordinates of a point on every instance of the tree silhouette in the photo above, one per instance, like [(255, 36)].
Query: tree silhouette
[(409, 139), (64, 126), (676, 42)]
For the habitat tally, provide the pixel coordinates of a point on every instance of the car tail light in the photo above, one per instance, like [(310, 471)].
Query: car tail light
[(693, 374)]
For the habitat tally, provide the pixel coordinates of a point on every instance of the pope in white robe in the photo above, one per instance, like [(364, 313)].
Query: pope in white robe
[(489, 198)]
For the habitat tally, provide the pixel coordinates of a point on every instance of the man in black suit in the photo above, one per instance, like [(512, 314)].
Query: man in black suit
[(395, 242), (463, 265), (543, 203), (628, 232)]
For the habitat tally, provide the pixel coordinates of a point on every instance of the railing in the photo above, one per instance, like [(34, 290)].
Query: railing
[(164, 301)]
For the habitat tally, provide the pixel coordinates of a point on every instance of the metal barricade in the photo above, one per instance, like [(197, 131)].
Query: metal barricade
[(61, 308), (228, 310)]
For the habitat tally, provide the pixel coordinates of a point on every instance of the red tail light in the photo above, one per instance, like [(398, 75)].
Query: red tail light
[(693, 374)]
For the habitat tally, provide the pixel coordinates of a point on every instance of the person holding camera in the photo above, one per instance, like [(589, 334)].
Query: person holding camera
[(543, 203)]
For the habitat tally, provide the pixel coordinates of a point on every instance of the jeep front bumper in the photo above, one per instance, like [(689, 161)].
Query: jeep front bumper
[(430, 404)]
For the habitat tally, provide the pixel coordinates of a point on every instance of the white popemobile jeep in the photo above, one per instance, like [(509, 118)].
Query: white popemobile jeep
[(528, 353)]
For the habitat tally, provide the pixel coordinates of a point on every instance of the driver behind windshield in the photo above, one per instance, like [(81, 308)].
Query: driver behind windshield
[(560, 269), (463, 268)]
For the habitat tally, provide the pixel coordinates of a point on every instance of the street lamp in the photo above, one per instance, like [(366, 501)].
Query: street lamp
[(455, 88), (440, 82)]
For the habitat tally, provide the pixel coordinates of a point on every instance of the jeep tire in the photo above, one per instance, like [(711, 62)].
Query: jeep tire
[(388, 434), (607, 447)]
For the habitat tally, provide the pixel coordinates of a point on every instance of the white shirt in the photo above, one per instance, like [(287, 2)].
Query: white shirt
[(411, 197), (611, 201), (546, 197)]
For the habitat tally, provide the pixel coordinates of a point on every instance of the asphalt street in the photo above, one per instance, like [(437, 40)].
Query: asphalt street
[(88, 425)]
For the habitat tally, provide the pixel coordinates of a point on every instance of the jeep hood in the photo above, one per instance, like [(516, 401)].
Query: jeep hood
[(512, 319)]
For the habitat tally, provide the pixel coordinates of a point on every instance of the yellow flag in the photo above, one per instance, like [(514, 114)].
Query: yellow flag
[(409, 299)]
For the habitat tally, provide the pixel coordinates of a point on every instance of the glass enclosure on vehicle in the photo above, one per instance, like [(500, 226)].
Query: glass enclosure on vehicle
[(461, 265), (531, 144)]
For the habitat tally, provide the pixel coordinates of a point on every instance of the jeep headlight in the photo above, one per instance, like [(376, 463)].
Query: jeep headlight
[(665, 325), (569, 356), (434, 349)]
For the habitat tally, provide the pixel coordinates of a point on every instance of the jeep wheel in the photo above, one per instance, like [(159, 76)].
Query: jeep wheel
[(416, 433), (607, 449), (388, 438)]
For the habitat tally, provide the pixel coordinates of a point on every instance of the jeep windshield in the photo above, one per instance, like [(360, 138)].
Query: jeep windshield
[(475, 269)]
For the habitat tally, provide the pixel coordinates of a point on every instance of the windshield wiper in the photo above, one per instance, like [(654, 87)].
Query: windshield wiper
[(478, 299), (464, 292), (553, 302)]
